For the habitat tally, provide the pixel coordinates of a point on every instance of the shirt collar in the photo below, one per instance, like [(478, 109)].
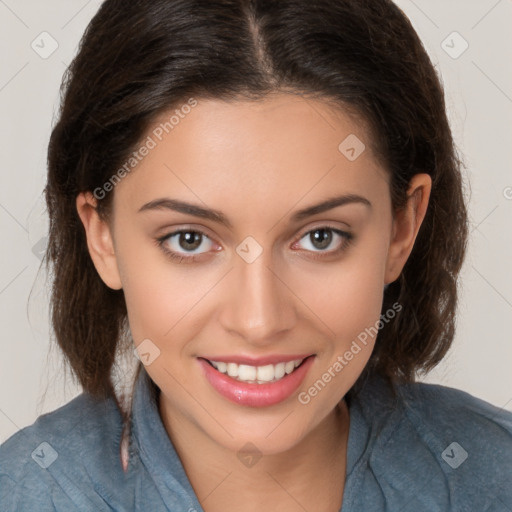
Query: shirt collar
[(372, 407), (159, 456), (156, 450)]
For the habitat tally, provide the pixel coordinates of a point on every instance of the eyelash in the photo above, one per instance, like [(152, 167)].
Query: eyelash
[(348, 238)]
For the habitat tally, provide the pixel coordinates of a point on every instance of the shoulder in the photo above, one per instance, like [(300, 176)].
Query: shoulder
[(444, 410), (51, 460), (467, 442), (429, 447), (84, 421)]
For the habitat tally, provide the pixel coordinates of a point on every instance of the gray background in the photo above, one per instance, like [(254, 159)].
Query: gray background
[(478, 83)]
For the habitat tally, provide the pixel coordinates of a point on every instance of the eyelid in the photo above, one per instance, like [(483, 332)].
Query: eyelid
[(325, 225), (168, 231)]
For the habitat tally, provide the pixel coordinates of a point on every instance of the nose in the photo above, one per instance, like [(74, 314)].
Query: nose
[(258, 306)]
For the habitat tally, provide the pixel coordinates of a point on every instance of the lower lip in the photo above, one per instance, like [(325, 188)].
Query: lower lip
[(256, 395)]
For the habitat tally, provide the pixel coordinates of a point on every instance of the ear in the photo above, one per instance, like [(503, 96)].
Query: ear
[(99, 240), (406, 225)]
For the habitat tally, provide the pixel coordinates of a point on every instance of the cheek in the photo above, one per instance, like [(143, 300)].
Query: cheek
[(161, 309), (158, 294), (170, 304), (346, 295)]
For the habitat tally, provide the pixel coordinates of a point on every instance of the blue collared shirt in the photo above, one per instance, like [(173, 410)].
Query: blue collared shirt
[(428, 448)]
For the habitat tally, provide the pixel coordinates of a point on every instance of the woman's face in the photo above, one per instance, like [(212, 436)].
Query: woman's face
[(265, 270)]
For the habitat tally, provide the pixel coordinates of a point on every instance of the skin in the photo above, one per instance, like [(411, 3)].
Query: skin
[(257, 163)]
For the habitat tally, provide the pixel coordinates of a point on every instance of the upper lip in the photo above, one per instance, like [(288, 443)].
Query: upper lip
[(257, 361)]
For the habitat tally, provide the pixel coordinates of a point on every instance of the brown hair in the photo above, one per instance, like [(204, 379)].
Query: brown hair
[(139, 58)]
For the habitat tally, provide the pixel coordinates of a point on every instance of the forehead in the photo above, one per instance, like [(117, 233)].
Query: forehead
[(284, 146)]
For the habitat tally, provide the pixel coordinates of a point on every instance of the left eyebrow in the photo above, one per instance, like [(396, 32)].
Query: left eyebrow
[(218, 216), (329, 204)]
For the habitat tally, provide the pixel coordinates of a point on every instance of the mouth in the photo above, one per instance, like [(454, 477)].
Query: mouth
[(257, 374), (256, 385)]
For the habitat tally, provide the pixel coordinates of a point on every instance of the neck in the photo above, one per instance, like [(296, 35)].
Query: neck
[(310, 473)]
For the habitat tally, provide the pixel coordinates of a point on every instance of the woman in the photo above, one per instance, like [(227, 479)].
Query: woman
[(264, 200)]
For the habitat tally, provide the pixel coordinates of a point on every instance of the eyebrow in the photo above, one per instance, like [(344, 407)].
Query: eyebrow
[(219, 217)]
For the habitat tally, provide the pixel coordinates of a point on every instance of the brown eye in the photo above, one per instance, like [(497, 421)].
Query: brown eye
[(321, 238), (189, 240), (186, 242), (324, 241)]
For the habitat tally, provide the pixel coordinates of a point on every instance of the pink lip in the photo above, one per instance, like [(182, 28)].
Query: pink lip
[(255, 395)]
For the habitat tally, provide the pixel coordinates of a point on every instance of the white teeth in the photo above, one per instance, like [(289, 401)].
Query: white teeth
[(257, 374), (232, 369), (266, 373), (289, 367), (222, 367), (279, 370), (246, 372)]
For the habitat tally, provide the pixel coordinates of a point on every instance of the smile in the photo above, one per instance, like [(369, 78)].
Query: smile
[(257, 374), (256, 385)]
